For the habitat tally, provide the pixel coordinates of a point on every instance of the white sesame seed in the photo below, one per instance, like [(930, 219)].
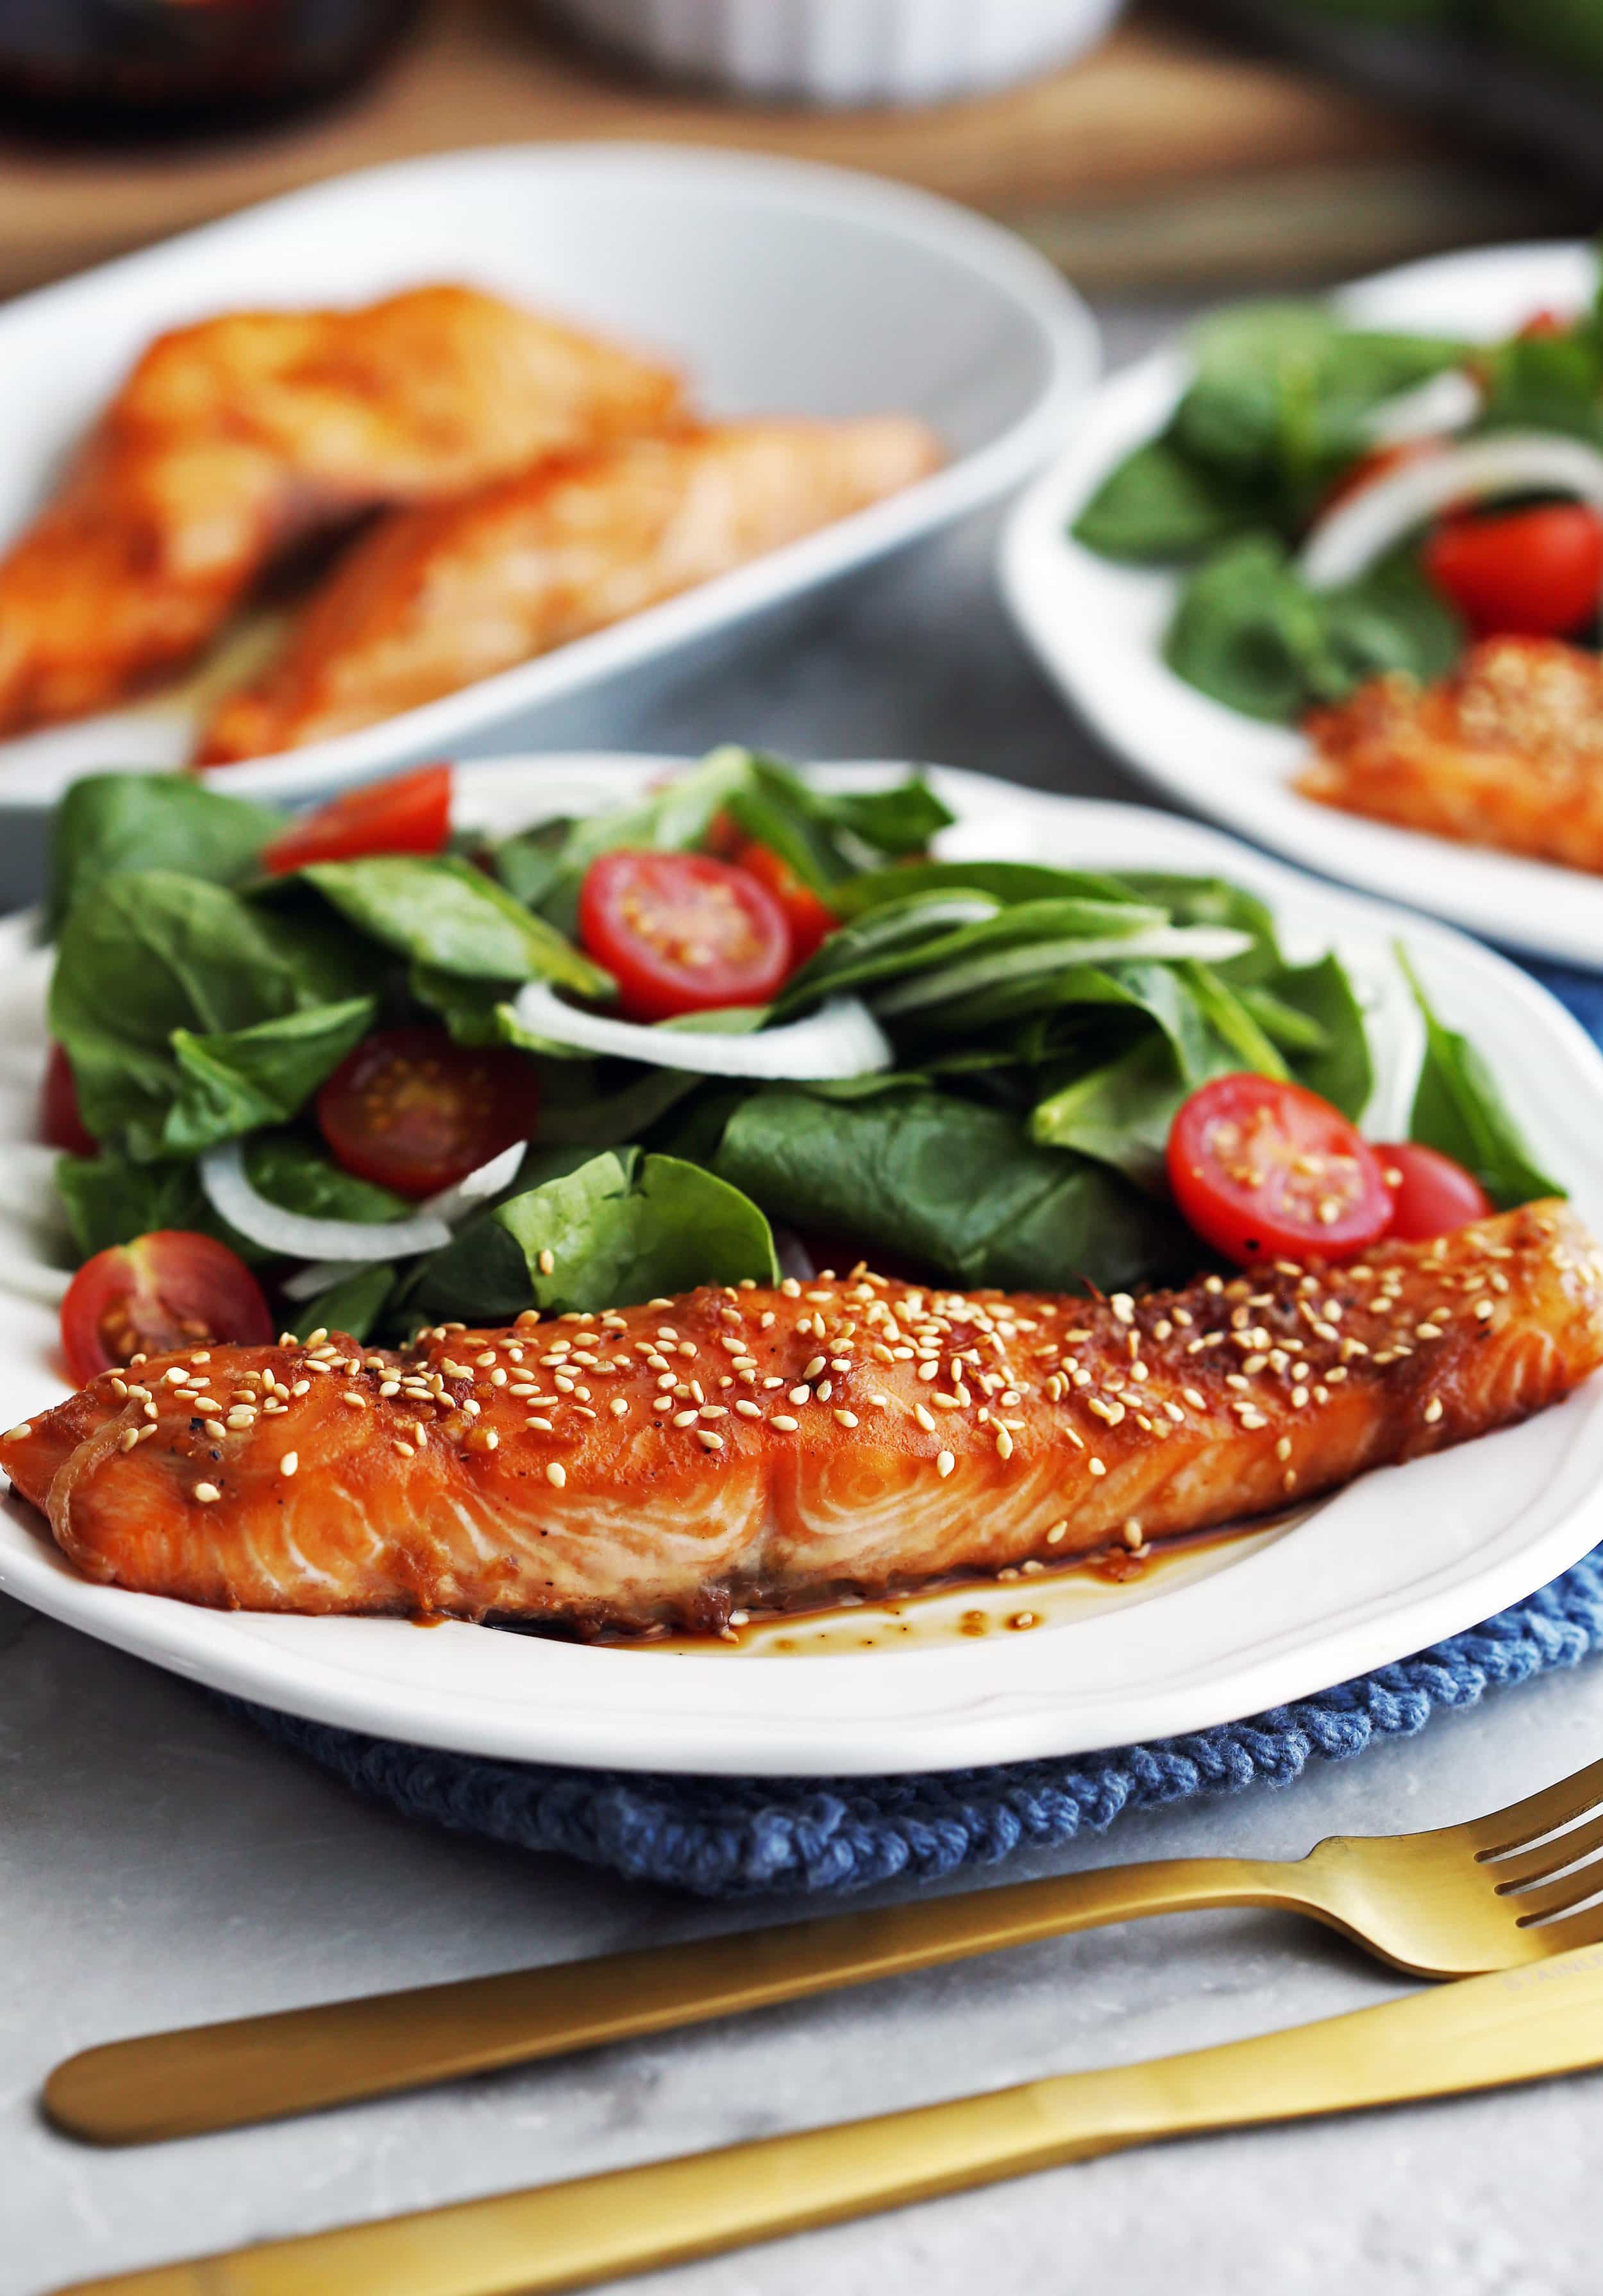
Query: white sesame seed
[(1096, 1466), (1004, 1444), (620, 1407), (943, 1463), (216, 1429), (747, 1409), (801, 1395), (288, 1463), (556, 1473), (784, 1422), (709, 1441), (547, 1261), (206, 1492), (1056, 1536), (846, 1419), (125, 1441), (1432, 1409)]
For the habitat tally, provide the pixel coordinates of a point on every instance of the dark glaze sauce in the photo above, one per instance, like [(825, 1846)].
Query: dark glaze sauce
[(966, 1609)]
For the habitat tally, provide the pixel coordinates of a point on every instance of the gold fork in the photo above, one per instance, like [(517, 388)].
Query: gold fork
[(1463, 1899)]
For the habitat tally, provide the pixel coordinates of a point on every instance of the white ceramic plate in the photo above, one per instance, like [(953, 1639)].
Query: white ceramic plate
[(1097, 627), (1386, 1566), (774, 287)]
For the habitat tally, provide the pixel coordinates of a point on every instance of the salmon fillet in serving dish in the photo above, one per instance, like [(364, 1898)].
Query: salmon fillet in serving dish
[(662, 1465)]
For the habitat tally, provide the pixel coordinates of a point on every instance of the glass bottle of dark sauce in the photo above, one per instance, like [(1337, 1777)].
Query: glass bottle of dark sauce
[(129, 69)]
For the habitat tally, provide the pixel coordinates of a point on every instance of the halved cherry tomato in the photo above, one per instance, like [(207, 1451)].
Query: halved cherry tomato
[(166, 1291), (810, 920), (1264, 1170), (411, 814), (1531, 573), (1541, 326), (1431, 1195), (680, 932), (61, 1120), (412, 1111)]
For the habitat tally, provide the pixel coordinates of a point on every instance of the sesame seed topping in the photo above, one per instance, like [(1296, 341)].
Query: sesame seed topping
[(556, 1473), (206, 1492), (943, 1463), (784, 1422), (287, 1464)]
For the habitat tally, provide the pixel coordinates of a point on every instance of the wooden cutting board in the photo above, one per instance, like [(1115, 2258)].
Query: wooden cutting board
[(1163, 158)]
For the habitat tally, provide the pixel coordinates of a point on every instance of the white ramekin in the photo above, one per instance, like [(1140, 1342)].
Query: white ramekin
[(848, 52)]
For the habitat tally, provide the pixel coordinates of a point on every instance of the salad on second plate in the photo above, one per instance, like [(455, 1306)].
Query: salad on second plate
[(1396, 541)]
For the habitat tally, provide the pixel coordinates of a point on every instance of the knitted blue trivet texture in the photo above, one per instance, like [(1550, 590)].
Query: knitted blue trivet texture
[(772, 1837)]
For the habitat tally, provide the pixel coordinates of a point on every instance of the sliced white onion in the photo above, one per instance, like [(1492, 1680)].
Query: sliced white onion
[(448, 1205), (1203, 944), (841, 1039), (296, 1235), (1449, 401), (1372, 521)]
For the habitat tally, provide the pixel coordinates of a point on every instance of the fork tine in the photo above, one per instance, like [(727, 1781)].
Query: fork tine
[(1539, 1813), (1577, 1930), (1506, 1873), (1557, 1895)]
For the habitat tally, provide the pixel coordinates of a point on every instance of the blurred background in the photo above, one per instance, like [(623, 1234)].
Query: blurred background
[(1201, 145)]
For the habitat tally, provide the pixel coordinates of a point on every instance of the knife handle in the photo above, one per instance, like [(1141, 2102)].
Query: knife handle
[(1519, 2025), (221, 2076)]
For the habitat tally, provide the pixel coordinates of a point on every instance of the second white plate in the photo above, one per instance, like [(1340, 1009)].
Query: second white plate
[(1097, 629), (1046, 1666)]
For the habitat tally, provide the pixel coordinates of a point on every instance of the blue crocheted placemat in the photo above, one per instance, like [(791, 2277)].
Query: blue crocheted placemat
[(770, 1837)]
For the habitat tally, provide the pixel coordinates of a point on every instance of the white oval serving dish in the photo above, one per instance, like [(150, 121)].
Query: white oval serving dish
[(776, 287)]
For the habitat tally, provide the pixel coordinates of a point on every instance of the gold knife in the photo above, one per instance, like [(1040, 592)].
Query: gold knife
[(1520, 2025)]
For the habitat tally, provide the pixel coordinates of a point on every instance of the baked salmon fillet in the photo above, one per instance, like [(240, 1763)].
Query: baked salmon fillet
[(1508, 753), (236, 439), (765, 1449), (434, 599)]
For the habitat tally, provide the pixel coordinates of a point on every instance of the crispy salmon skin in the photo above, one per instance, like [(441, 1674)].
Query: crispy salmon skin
[(664, 1464), (1507, 752)]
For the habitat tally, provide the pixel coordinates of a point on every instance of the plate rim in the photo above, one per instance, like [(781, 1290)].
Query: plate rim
[(1065, 336), (274, 1662), (1532, 906)]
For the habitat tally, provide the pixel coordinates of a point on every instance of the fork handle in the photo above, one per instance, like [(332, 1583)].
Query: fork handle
[(208, 2077)]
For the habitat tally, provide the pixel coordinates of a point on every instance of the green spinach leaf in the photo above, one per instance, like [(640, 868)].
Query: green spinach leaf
[(444, 914), (947, 1185), (235, 1082), (1161, 505), (108, 824), (607, 1231), (1459, 1108)]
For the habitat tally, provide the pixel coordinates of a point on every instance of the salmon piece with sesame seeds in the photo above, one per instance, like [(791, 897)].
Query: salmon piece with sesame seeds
[(1508, 753), (749, 1450)]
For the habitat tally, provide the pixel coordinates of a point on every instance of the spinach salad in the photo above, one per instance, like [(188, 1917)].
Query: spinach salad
[(1342, 503), (964, 1071)]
